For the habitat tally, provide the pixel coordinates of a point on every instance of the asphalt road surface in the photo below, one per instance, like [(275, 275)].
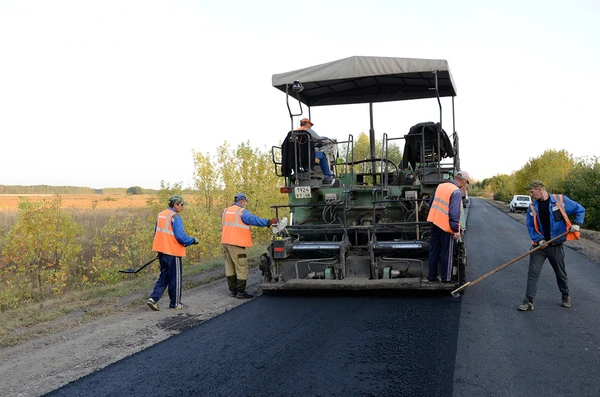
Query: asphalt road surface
[(389, 344)]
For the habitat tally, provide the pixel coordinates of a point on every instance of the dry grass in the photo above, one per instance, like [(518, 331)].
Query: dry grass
[(10, 202), (77, 307)]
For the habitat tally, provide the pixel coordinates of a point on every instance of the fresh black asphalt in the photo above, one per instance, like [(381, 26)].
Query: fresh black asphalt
[(389, 345), (366, 345)]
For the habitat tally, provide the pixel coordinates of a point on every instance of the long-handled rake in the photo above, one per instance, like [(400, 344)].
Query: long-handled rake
[(132, 270), (455, 293)]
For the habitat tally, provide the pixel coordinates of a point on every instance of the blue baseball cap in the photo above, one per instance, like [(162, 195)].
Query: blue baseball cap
[(240, 196)]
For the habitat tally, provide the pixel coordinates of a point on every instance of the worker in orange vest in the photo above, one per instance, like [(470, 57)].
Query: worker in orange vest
[(170, 241), (444, 214), (235, 238)]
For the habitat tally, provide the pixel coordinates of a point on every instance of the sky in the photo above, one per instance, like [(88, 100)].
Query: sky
[(123, 93)]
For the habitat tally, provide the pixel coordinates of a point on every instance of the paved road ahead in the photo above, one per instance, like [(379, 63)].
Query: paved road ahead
[(388, 345)]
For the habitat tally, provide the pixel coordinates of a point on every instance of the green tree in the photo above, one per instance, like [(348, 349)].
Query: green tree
[(135, 190), (250, 170), (362, 151), (206, 180), (43, 245), (500, 187), (582, 186), (552, 167), (232, 170)]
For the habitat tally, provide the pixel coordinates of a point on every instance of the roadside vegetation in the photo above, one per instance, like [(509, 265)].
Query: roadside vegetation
[(48, 249), (61, 247), (560, 172)]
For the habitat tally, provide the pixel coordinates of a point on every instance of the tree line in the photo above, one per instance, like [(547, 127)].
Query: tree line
[(578, 178), (47, 189)]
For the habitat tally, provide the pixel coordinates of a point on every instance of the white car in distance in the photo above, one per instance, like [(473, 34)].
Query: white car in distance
[(519, 202)]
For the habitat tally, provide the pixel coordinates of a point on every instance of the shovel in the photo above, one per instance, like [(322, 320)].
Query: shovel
[(131, 270), (471, 283)]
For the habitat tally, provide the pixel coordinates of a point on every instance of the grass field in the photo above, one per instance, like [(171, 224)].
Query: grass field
[(84, 201)]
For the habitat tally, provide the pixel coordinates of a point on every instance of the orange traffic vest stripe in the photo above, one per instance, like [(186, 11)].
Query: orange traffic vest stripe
[(164, 238), (234, 231), (440, 208), (561, 207)]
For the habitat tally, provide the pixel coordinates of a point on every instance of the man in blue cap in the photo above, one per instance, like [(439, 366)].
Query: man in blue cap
[(235, 238)]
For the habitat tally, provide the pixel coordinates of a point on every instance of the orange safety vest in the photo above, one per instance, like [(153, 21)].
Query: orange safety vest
[(561, 207), (234, 231), (440, 208), (164, 238)]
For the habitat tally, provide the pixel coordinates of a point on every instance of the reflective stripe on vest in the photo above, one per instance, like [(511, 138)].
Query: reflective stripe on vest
[(561, 207), (164, 237), (439, 213), (234, 231)]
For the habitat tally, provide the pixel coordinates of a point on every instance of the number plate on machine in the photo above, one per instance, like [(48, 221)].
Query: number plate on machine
[(302, 192)]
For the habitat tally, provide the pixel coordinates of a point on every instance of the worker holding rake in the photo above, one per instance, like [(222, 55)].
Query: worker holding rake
[(548, 218), (170, 241)]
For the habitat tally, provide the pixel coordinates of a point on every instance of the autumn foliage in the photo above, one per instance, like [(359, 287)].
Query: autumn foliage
[(560, 172), (51, 244)]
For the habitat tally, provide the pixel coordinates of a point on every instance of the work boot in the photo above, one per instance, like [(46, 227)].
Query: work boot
[(244, 295), (232, 283), (241, 290), (566, 301), (527, 305)]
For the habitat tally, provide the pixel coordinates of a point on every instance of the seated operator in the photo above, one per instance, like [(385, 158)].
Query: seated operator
[(305, 125)]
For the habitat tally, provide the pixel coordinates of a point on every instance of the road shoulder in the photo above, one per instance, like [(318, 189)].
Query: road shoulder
[(46, 363)]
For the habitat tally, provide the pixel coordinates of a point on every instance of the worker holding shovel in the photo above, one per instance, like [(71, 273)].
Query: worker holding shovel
[(170, 241), (548, 218)]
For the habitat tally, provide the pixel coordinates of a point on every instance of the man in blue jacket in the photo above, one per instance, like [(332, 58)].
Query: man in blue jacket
[(235, 238), (547, 218), (170, 241)]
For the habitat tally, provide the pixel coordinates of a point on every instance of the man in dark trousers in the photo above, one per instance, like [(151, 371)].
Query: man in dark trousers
[(548, 217), (444, 214), (235, 238), (170, 241)]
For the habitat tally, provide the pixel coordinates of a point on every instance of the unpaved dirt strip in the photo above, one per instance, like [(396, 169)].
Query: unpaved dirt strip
[(46, 363)]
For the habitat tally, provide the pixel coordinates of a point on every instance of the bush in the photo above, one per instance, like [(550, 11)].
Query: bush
[(582, 186), (135, 190)]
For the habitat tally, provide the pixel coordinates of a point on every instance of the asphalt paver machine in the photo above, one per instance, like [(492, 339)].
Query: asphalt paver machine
[(368, 228)]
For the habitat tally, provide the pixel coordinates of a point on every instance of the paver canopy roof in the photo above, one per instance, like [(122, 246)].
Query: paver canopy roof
[(369, 79)]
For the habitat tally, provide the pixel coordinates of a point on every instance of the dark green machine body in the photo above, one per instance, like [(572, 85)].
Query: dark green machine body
[(369, 229)]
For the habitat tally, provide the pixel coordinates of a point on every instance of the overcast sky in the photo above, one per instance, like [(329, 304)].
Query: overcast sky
[(120, 93)]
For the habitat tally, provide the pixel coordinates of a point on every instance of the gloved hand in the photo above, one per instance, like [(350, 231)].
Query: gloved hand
[(195, 241), (574, 228), (272, 222), (542, 242)]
